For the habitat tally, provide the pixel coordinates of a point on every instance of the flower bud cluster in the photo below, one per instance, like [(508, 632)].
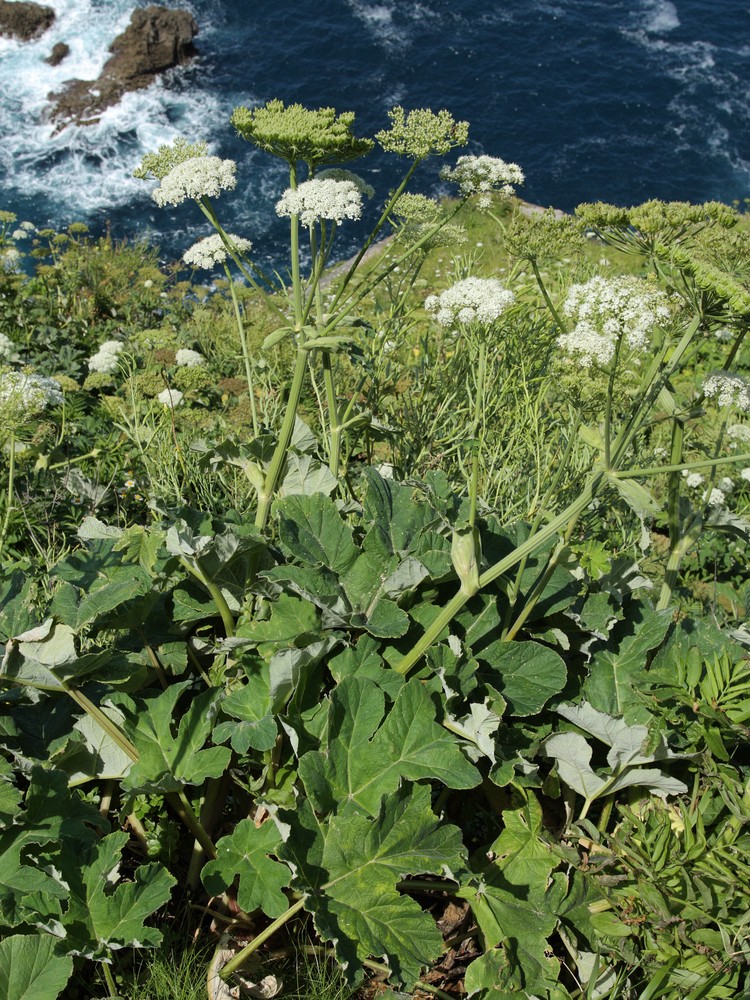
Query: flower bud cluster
[(473, 300), (608, 310), (422, 133), (106, 358), (321, 199), (728, 389), (196, 178), (295, 133), (212, 250), (167, 157)]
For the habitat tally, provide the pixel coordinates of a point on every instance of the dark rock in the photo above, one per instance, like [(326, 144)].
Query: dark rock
[(58, 53), (156, 39), (25, 21)]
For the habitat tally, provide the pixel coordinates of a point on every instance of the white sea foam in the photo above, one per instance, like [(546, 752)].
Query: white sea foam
[(77, 171), (661, 17)]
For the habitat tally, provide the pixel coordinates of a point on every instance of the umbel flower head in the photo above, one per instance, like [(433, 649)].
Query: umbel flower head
[(422, 133), (473, 300), (544, 236), (170, 398), (185, 358), (196, 178), (212, 250), (482, 174), (321, 199), (167, 157), (297, 133), (415, 218), (606, 310), (728, 389), (23, 395), (106, 358)]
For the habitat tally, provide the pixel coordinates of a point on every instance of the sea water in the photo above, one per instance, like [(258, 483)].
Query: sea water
[(614, 100)]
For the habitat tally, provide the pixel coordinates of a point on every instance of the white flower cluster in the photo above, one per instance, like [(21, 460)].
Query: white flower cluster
[(105, 359), (212, 250), (185, 358), (170, 397), (196, 178), (482, 174), (607, 309), (24, 395), (693, 479), (715, 498), (738, 434), (728, 389), (745, 474), (7, 348), (473, 300), (321, 199)]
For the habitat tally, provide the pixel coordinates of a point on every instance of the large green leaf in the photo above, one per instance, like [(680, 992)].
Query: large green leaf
[(53, 819), (244, 854), (527, 674), (251, 707), (359, 765), (616, 672), (16, 606), (313, 531), (102, 916), (516, 922), (30, 969), (350, 870), (171, 759)]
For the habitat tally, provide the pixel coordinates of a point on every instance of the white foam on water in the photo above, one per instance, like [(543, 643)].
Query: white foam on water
[(661, 17), (377, 19), (80, 170)]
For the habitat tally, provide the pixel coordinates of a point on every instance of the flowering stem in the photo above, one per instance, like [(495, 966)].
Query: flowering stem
[(294, 243), (656, 470), (9, 493), (378, 226), (214, 591), (478, 411), (545, 295), (207, 208), (285, 436), (678, 553), (245, 352), (571, 513), (654, 384), (675, 482), (608, 407)]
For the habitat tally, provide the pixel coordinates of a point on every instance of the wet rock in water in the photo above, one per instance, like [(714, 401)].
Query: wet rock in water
[(58, 53), (156, 39), (25, 21)]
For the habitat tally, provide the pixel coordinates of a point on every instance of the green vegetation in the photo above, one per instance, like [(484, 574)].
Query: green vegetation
[(381, 630)]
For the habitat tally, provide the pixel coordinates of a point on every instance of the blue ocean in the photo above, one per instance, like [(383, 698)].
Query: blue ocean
[(615, 100)]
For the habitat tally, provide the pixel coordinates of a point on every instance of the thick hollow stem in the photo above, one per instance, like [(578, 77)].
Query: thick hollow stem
[(245, 353), (285, 436), (214, 591), (451, 609), (9, 492), (242, 956)]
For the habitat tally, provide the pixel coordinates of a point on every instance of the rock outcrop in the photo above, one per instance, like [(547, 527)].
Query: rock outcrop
[(156, 39), (25, 21), (59, 52)]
